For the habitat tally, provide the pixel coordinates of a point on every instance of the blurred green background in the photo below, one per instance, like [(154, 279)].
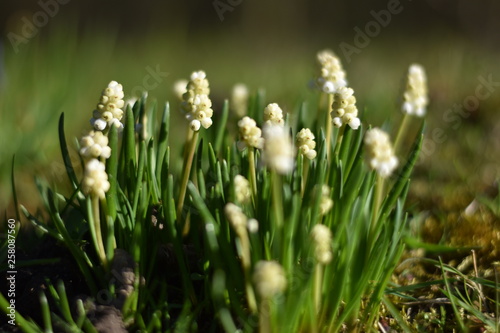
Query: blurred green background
[(57, 56)]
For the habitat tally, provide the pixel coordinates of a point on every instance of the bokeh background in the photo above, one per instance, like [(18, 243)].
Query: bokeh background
[(62, 65)]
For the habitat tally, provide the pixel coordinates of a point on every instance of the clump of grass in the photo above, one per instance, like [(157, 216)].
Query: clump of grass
[(310, 247)]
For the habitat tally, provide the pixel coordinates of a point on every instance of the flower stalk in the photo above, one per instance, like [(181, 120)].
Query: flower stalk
[(186, 171), (98, 231), (253, 175)]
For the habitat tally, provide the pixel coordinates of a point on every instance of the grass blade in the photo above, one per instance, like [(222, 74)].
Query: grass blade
[(65, 154)]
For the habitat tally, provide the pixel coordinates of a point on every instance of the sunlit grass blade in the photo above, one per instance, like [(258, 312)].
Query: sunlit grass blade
[(20, 321), (40, 225), (47, 321), (448, 292), (396, 314)]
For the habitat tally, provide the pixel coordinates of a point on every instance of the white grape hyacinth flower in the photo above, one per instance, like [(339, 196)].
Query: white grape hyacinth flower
[(196, 104), (250, 134), (94, 145), (95, 180), (332, 75), (415, 96), (269, 278), (239, 99), (279, 152), (381, 156), (322, 240), (109, 109), (236, 217), (242, 189), (344, 110), (305, 143), (273, 115)]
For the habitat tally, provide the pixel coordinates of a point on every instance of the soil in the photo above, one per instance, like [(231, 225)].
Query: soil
[(32, 280)]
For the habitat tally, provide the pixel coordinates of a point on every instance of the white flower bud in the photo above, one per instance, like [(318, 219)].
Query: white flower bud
[(95, 180), (332, 75), (196, 103), (250, 134), (278, 153), (273, 115), (322, 241), (269, 278), (344, 109), (306, 144), (415, 96), (242, 189), (381, 155)]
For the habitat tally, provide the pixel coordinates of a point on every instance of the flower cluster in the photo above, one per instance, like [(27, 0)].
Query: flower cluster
[(344, 110), (250, 134), (305, 143), (95, 181), (322, 241), (109, 109), (236, 217), (332, 75), (381, 154), (239, 99), (196, 103), (415, 96), (94, 145), (279, 151), (273, 115), (242, 189), (269, 278), (326, 202)]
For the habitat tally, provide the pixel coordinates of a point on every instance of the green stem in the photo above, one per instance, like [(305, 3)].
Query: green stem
[(320, 105), (340, 136), (251, 166), (277, 199), (377, 200), (305, 172), (20, 321), (110, 234), (264, 316), (329, 125), (98, 231), (47, 321), (186, 171), (318, 286), (277, 205), (246, 263), (401, 131)]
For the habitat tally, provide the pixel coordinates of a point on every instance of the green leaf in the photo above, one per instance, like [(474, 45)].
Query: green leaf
[(403, 177), (129, 147), (152, 179), (65, 154), (112, 171), (222, 130), (162, 142), (139, 176)]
